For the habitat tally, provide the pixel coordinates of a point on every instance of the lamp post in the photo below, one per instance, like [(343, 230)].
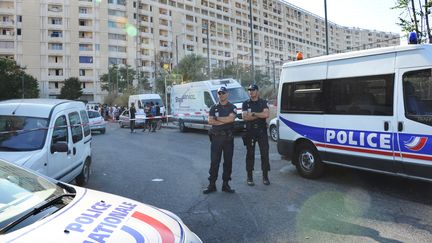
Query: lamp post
[(326, 26), (206, 27), (22, 80), (252, 40)]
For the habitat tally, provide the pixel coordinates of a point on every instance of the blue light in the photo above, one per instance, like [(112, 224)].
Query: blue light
[(412, 38)]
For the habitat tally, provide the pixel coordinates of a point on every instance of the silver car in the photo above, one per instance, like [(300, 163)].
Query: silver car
[(97, 123)]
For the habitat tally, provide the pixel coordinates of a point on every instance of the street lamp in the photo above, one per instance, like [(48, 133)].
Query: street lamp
[(252, 41), (206, 27)]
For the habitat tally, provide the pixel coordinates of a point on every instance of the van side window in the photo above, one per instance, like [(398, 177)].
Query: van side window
[(208, 99), (302, 97), (60, 132), (75, 122), (369, 95), (417, 89), (85, 121)]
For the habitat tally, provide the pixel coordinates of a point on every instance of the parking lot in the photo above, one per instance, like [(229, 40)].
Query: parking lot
[(169, 169)]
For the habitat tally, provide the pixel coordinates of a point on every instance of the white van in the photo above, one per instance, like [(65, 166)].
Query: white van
[(49, 136), (370, 110), (140, 100), (191, 102), (38, 209)]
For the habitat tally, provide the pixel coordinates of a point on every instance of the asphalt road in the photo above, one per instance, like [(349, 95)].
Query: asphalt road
[(169, 169)]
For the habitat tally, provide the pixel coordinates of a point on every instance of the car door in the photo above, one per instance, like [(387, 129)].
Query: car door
[(414, 129), (58, 161), (77, 145)]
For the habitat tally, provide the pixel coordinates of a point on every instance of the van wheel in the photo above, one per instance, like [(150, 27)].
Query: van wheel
[(273, 133), (82, 179), (308, 162), (182, 126)]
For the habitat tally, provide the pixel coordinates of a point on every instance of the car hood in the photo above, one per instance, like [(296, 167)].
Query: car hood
[(18, 158), (95, 216)]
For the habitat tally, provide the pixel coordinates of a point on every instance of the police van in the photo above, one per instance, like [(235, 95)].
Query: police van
[(191, 102), (50, 136), (369, 110)]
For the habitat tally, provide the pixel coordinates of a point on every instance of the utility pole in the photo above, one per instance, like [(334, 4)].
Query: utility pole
[(427, 22), (252, 40), (326, 27), (274, 75), (22, 80), (207, 28), (176, 37), (415, 21)]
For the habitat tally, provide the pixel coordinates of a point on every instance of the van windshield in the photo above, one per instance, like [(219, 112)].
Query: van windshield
[(417, 88), (21, 133), (236, 95)]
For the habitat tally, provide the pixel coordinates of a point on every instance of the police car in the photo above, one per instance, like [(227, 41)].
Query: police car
[(36, 209)]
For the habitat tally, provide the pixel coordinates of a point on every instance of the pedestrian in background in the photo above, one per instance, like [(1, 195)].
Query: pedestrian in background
[(221, 117), (255, 112), (132, 112)]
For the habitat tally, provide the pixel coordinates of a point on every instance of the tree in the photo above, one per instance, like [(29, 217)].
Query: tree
[(120, 78), (415, 17), (191, 67), (12, 78), (71, 89)]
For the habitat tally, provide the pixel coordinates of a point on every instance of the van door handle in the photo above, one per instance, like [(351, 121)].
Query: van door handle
[(386, 126), (400, 126), (74, 151)]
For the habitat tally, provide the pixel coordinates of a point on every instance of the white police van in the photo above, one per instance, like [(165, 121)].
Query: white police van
[(36, 209), (49, 136), (369, 110)]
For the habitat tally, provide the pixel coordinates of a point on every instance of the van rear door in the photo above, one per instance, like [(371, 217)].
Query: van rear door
[(414, 123)]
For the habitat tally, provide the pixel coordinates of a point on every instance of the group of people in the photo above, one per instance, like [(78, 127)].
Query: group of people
[(221, 117), (106, 111), (152, 113)]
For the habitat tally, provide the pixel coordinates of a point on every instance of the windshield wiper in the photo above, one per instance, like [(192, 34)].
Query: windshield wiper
[(35, 211)]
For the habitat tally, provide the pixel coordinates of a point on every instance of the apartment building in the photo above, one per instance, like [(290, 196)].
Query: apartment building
[(57, 39)]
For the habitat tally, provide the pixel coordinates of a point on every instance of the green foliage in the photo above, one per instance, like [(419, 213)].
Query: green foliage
[(413, 15), (191, 67), (11, 79), (242, 74), (119, 79), (71, 89)]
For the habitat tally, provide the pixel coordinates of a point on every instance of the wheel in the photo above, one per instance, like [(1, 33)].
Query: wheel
[(273, 133), (182, 126), (102, 131), (308, 162), (82, 179)]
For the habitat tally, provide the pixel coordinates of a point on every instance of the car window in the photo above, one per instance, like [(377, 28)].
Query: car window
[(93, 114), (60, 132), (75, 122), (85, 120), (21, 133)]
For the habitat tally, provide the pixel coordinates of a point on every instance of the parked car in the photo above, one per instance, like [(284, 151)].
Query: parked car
[(50, 136), (97, 123), (124, 119), (35, 208), (273, 130)]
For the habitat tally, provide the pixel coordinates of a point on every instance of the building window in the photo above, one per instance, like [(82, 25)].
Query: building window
[(82, 72), (18, 31), (86, 59), (19, 18)]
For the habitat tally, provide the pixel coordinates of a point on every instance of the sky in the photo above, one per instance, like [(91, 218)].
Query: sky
[(366, 14)]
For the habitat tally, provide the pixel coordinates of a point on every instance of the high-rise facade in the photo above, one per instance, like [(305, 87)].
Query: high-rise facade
[(57, 39)]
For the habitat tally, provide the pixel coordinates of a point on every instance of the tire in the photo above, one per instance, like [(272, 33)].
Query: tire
[(83, 178), (102, 131), (273, 133), (182, 126), (308, 161)]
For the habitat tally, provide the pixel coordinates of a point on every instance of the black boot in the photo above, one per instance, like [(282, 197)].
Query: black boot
[(250, 179), (210, 188), (227, 188), (265, 178)]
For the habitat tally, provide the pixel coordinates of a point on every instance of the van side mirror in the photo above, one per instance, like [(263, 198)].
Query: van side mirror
[(59, 147)]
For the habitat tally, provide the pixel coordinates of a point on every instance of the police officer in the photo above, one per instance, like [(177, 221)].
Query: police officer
[(221, 117), (132, 112), (255, 112)]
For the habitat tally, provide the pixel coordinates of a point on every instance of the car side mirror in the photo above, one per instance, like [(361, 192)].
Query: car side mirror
[(59, 147)]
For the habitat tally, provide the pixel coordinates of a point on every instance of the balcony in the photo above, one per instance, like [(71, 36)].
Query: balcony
[(10, 10), (7, 24), (146, 34), (55, 65), (7, 37), (59, 78), (55, 26)]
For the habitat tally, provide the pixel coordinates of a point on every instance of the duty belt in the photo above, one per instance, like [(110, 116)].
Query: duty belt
[(255, 126), (221, 133)]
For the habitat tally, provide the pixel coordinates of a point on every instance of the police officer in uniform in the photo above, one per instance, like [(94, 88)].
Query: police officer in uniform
[(221, 117), (255, 112)]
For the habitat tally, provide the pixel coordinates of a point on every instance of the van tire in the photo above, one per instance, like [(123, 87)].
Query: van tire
[(83, 178), (273, 133), (308, 161), (182, 126)]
